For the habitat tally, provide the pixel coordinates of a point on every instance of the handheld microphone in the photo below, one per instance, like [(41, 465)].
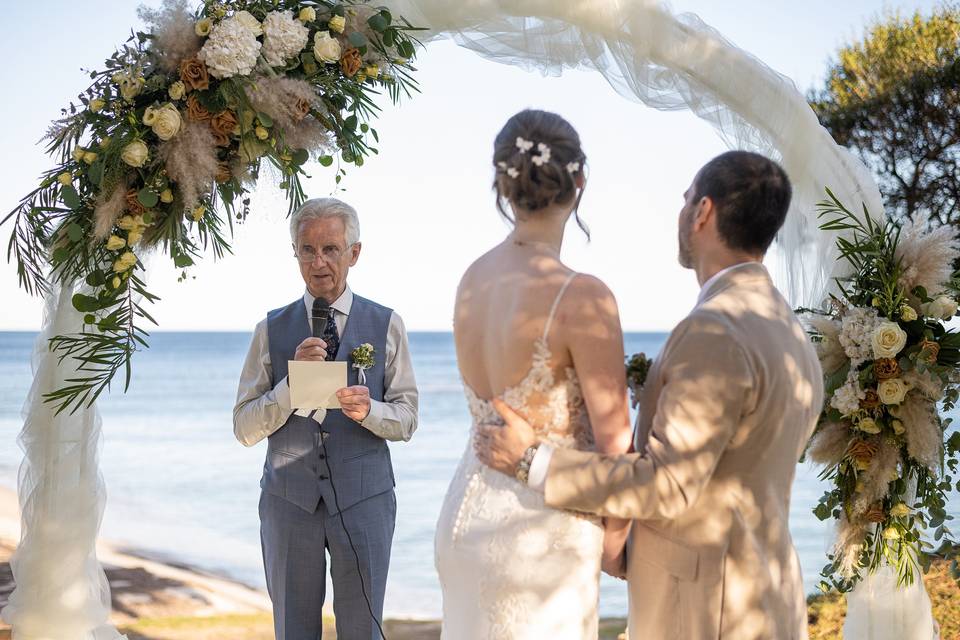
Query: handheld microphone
[(319, 316)]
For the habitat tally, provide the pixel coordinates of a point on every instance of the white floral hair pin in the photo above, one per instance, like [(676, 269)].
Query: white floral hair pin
[(510, 171), (524, 145), (543, 157), (573, 167)]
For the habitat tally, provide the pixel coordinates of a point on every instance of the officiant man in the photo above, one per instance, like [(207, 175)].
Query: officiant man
[(328, 483)]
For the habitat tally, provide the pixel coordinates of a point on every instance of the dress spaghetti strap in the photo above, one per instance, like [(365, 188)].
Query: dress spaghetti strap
[(556, 303)]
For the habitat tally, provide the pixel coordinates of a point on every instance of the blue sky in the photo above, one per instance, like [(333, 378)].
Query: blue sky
[(425, 203)]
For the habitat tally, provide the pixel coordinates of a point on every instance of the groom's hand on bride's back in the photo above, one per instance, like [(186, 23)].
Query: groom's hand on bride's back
[(311, 349), (501, 447)]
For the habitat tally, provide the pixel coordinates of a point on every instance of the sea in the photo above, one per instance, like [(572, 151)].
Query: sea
[(181, 488)]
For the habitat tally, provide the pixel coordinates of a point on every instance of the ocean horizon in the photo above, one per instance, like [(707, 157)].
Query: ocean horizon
[(181, 488)]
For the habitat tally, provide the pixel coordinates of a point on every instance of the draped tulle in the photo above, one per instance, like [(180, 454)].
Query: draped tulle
[(674, 61), (62, 591)]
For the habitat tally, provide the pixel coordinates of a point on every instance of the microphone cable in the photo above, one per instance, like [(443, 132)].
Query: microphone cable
[(336, 504)]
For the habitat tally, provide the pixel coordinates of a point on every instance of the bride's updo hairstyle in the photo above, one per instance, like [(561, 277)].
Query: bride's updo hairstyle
[(537, 157)]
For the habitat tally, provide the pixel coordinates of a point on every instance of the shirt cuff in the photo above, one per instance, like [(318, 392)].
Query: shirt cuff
[(374, 418), (537, 477), (282, 396)]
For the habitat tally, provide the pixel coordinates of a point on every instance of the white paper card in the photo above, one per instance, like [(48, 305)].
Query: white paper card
[(314, 383)]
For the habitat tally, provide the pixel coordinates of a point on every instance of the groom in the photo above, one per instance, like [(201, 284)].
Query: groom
[(725, 414), (327, 481)]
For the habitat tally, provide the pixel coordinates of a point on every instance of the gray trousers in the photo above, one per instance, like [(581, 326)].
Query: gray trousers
[(295, 545)]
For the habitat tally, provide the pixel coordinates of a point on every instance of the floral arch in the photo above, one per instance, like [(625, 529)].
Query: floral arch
[(160, 151)]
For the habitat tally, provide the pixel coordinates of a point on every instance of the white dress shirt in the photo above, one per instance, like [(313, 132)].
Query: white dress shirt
[(261, 409), (537, 477)]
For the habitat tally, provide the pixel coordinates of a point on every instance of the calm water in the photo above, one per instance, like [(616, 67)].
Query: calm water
[(182, 487)]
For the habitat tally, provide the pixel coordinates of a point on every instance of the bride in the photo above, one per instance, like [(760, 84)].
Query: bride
[(547, 341)]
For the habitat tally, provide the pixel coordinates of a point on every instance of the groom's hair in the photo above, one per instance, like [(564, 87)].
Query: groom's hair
[(751, 194)]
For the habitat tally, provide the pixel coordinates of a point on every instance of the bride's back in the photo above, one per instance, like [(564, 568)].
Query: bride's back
[(503, 306), (505, 298)]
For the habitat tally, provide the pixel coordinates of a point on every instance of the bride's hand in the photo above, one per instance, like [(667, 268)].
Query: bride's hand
[(614, 559)]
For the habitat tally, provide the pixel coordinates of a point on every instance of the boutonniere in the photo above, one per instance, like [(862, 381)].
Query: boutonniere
[(362, 358), (638, 366)]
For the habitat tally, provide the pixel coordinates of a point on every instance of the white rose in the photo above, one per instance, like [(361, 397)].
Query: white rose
[(246, 19), (888, 340), (135, 154), (167, 122), (943, 308), (326, 48), (892, 391), (907, 313)]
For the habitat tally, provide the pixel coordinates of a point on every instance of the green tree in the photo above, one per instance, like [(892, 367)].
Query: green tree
[(893, 98)]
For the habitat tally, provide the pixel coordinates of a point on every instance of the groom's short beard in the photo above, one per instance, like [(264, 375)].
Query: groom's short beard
[(684, 255)]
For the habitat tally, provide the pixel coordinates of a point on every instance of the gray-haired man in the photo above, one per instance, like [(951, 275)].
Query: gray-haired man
[(328, 480)]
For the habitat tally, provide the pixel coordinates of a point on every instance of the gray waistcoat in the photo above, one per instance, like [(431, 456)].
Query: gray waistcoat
[(296, 468)]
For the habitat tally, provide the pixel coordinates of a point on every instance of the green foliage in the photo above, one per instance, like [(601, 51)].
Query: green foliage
[(893, 97)]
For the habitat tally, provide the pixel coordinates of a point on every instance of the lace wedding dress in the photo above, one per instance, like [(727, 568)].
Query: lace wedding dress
[(511, 567)]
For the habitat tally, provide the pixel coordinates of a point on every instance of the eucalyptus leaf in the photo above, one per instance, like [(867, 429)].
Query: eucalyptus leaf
[(70, 197), (148, 198), (357, 39), (74, 232)]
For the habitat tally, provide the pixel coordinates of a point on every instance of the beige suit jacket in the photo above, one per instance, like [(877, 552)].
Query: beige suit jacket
[(724, 417)]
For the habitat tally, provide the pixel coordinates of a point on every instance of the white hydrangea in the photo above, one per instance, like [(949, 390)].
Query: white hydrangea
[(283, 37), (856, 334), (847, 398), (231, 49)]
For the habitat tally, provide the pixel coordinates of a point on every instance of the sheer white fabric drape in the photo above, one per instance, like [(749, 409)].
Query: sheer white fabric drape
[(62, 592)]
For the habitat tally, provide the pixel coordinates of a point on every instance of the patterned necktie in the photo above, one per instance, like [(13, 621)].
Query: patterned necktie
[(329, 334), (331, 337)]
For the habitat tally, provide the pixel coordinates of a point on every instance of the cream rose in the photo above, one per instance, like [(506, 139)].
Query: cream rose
[(78, 154), (65, 179), (247, 20), (177, 90), (90, 157), (338, 24), (115, 243), (97, 104), (868, 425), (130, 88), (898, 427), (326, 48), (891, 533), (125, 262), (135, 154), (307, 14), (372, 71), (907, 313), (899, 510), (893, 391), (166, 196), (149, 116), (167, 122), (116, 282), (203, 26), (943, 308), (262, 133), (888, 340), (134, 236)]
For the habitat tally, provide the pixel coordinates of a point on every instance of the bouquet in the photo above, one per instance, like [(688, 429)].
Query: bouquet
[(891, 370)]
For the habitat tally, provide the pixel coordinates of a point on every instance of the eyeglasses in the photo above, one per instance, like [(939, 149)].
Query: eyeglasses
[(330, 254)]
